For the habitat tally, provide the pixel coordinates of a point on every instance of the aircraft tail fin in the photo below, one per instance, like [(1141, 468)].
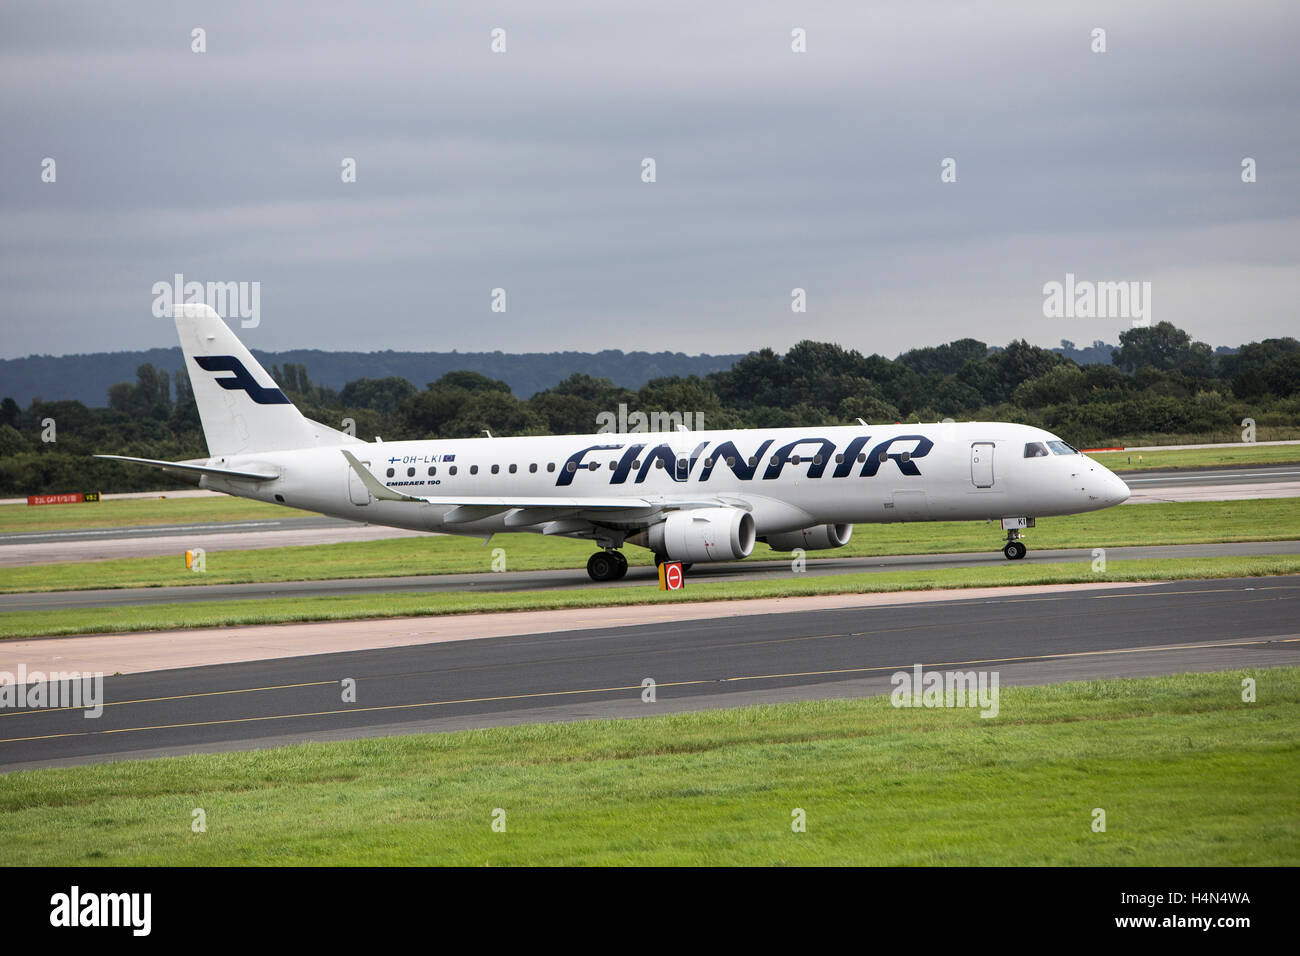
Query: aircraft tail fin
[(241, 407)]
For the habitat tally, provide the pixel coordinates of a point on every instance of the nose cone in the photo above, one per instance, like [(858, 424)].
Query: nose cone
[(1113, 489), (1100, 486)]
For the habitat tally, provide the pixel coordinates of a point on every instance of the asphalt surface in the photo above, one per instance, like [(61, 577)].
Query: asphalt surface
[(576, 578), (1226, 475), (22, 549), (714, 662), (177, 530)]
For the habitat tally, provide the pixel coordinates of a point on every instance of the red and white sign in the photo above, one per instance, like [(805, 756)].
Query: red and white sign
[(671, 576), (66, 499)]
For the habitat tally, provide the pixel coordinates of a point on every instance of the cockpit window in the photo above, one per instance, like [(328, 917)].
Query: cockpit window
[(1035, 449), (1061, 448)]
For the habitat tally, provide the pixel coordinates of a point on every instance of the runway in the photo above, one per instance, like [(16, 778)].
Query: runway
[(558, 675), (1229, 483), (576, 578), (21, 549)]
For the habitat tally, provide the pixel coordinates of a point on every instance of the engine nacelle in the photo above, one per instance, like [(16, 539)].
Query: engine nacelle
[(817, 538), (701, 534)]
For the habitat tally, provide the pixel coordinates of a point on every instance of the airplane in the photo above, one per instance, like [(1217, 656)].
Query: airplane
[(688, 496)]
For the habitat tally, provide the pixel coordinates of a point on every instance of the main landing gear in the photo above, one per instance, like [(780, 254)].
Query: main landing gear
[(607, 566), (1014, 549)]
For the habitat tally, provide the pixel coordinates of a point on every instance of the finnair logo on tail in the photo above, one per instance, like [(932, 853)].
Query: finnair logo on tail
[(241, 379)]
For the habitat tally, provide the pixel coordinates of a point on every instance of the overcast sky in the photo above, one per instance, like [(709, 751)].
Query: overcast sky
[(522, 170)]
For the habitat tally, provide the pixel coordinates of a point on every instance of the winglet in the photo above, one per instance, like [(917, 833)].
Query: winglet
[(373, 485)]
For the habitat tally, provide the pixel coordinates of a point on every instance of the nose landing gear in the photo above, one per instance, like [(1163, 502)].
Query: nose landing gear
[(607, 566), (1014, 549)]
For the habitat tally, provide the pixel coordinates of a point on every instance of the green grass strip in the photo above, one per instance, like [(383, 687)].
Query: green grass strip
[(1192, 522), (1186, 772), (200, 614)]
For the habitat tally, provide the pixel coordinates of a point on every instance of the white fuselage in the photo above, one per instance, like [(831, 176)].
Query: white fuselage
[(800, 477)]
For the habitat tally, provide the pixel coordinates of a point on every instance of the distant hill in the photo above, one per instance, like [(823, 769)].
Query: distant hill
[(1096, 354), (87, 377), (1099, 352)]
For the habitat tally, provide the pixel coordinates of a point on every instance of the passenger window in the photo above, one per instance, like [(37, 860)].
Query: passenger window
[(862, 457), (410, 473), (637, 464), (817, 459), (753, 461), (391, 472), (432, 471), (550, 466), (593, 466), (496, 469), (731, 461), (1035, 449), (513, 469), (532, 469), (473, 469), (659, 462), (794, 459), (839, 459), (452, 470), (613, 465)]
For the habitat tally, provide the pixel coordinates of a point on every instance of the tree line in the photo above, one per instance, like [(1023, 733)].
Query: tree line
[(1159, 382)]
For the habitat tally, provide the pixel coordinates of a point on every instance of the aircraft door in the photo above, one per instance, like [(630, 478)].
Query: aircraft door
[(357, 491), (981, 464)]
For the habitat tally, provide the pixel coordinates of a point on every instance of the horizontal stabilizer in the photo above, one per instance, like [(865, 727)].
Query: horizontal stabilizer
[(191, 468)]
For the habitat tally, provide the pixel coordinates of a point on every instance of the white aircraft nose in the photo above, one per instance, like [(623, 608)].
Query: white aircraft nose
[(1114, 490)]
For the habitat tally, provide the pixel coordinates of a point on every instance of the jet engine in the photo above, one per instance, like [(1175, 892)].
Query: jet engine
[(701, 534), (817, 538)]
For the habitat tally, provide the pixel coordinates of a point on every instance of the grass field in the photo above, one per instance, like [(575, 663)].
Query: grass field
[(1273, 519), (138, 512), (202, 614), (1244, 454), (1187, 774)]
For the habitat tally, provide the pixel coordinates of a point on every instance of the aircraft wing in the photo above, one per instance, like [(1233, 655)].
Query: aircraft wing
[(474, 507)]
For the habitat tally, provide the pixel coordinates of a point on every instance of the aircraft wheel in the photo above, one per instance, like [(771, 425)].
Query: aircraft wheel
[(1015, 550), (603, 566), (621, 561)]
